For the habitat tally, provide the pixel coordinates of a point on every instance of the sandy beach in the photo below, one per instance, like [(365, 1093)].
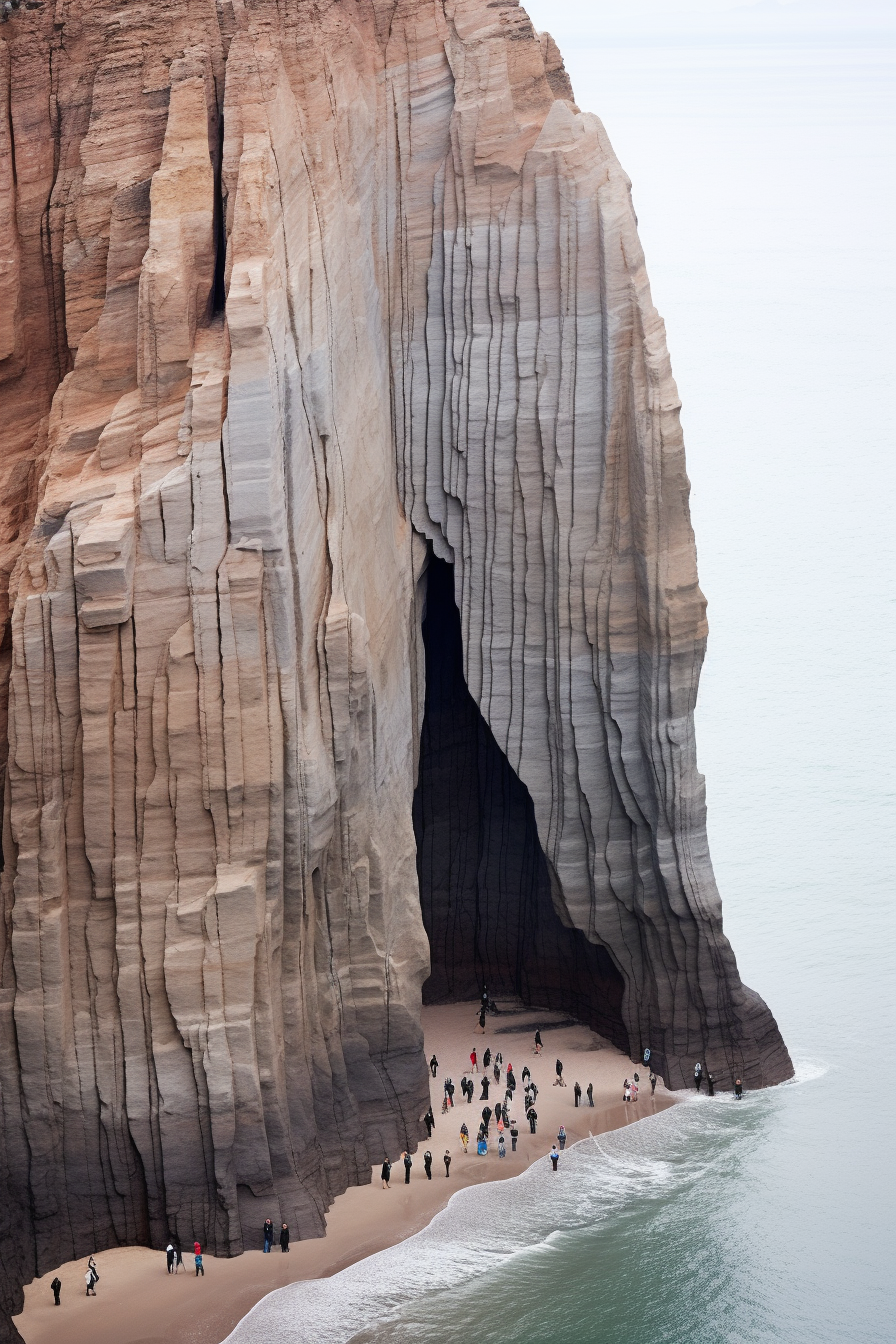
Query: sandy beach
[(138, 1302)]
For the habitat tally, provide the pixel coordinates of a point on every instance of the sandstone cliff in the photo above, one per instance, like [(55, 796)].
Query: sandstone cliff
[(293, 297)]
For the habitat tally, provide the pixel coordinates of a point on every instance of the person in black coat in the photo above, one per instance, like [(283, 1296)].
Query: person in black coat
[(577, 1094), (589, 1093), (57, 1289), (427, 1164), (710, 1084), (532, 1117), (386, 1173), (408, 1163), (486, 1117), (429, 1121), (434, 1066), (558, 1081), (486, 1058), (485, 1087), (284, 1238)]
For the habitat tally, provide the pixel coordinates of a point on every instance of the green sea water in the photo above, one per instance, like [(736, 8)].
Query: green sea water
[(764, 181)]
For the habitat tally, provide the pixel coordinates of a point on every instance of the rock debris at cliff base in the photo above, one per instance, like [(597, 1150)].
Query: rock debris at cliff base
[(292, 297)]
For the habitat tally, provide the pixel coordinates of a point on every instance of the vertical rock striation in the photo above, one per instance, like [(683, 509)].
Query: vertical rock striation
[(290, 294)]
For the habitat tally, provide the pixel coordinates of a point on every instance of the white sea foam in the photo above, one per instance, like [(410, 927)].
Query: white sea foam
[(598, 1177)]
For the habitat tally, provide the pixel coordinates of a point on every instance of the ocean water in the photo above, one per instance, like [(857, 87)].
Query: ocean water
[(764, 178)]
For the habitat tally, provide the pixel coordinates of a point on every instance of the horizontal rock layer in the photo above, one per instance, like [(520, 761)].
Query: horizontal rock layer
[(289, 294)]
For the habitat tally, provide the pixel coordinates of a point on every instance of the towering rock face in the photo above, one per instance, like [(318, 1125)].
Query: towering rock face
[(292, 297)]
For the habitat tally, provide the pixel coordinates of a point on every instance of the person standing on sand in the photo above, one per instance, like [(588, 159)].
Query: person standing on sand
[(652, 1082), (589, 1093), (474, 1067), (558, 1081), (197, 1261), (486, 1117), (433, 1066), (482, 1020), (268, 1234), (56, 1286), (408, 1163), (429, 1121), (710, 1085), (538, 1042), (634, 1091), (427, 1164), (90, 1281), (525, 1074), (698, 1075), (284, 1238), (447, 1161), (386, 1174), (577, 1094), (561, 1137), (169, 1256), (486, 1058), (626, 1090), (532, 1117), (497, 1072), (738, 1088), (485, 1087), (464, 1136), (555, 1158), (514, 1135), (502, 1151)]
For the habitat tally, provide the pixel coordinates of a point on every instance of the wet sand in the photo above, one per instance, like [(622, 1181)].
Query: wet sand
[(138, 1302)]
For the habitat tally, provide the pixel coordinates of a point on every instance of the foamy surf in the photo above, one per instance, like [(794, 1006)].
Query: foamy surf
[(485, 1227)]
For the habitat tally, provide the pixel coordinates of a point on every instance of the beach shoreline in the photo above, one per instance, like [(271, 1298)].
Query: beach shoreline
[(138, 1302)]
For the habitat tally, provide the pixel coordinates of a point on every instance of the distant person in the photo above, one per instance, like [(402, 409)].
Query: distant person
[(91, 1278), (447, 1160), (558, 1081), (450, 1090), (386, 1174), (486, 1117), (408, 1163), (626, 1090), (652, 1082), (471, 1088), (474, 1067), (485, 1087), (497, 1072), (514, 1135), (710, 1085), (268, 1234), (178, 1257), (499, 1058), (481, 1145), (197, 1261), (511, 1081), (646, 1056), (555, 1158), (169, 1256), (464, 1136), (634, 1092), (427, 1164), (56, 1286), (698, 1075), (433, 1066), (483, 998), (577, 1094), (429, 1121), (534, 1089), (738, 1088), (284, 1237), (538, 1042), (589, 1093), (481, 1020), (525, 1074), (532, 1117), (502, 1151), (486, 1058), (561, 1137)]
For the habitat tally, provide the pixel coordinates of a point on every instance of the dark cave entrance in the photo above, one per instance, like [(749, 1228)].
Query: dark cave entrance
[(484, 885)]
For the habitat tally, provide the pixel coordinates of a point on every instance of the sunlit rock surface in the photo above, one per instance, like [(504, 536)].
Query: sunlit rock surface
[(292, 297)]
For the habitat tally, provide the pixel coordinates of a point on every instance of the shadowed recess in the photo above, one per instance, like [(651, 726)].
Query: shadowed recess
[(484, 885)]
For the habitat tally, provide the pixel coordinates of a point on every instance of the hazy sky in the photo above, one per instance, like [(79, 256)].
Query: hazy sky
[(606, 19)]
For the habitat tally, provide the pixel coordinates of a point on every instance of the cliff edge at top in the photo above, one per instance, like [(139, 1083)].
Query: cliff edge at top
[(317, 319)]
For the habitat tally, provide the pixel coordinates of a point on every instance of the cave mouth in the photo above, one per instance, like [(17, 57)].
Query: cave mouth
[(485, 890)]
